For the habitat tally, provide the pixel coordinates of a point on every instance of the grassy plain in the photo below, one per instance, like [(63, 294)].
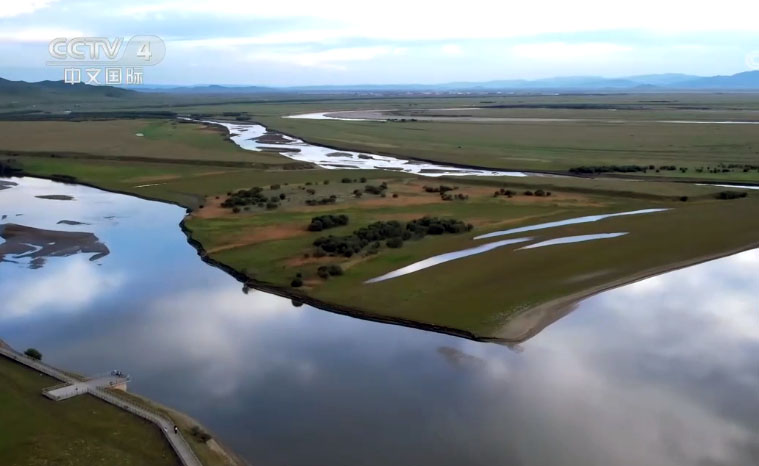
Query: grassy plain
[(478, 294), (616, 130), (161, 140), (475, 295), (80, 431)]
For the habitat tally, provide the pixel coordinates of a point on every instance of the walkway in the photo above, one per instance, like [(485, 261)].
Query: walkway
[(93, 387)]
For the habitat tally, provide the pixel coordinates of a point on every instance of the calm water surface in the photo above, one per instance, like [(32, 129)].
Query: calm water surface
[(662, 372)]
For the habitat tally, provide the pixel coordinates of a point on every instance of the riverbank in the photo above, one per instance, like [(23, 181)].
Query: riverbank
[(254, 265), (211, 452), (269, 248), (80, 431)]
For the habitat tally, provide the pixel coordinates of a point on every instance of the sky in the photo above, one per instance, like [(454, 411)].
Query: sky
[(302, 42)]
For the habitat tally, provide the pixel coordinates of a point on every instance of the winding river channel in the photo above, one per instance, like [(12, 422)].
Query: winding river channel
[(661, 372)]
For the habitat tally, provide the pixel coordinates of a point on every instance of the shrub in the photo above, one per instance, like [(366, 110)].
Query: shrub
[(382, 231), (684, 199), (324, 222), (439, 189), (528, 193), (244, 197), (363, 179), (33, 353), (323, 201), (590, 170), (236, 210), (394, 243), (200, 435), (297, 282), (395, 195), (377, 190), (274, 187), (272, 205), (282, 196), (727, 195), (346, 180)]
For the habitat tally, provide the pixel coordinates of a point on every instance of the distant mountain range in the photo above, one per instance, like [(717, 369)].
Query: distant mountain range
[(746, 81), (42, 89)]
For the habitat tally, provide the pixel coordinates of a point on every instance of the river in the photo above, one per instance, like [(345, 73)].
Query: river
[(661, 372)]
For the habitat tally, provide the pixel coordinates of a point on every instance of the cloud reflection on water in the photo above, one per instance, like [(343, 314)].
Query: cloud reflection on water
[(661, 372)]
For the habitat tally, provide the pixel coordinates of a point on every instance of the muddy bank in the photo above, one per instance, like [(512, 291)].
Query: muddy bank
[(6, 184), (22, 242), (55, 197)]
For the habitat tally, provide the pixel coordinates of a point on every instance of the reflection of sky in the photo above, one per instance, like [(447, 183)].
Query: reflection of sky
[(574, 239), (447, 257), (662, 372)]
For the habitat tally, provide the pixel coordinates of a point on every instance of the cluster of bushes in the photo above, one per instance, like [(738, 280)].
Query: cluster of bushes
[(33, 353), (326, 271), (504, 192), (538, 193), (323, 201), (437, 226), (353, 180), (252, 196), (727, 168), (245, 197), (63, 178), (590, 170), (200, 435), (7, 170), (727, 195), (376, 190), (454, 197), (324, 222), (510, 193), (393, 233), (444, 192), (439, 189)]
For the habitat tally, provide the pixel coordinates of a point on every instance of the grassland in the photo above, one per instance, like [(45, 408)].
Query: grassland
[(545, 146), (161, 140), (210, 453), (477, 296), (615, 130), (79, 431)]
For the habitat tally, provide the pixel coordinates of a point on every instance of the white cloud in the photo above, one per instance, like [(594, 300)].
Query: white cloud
[(11, 8), (331, 58), (452, 49), (560, 51), (37, 35), (399, 19), (70, 288)]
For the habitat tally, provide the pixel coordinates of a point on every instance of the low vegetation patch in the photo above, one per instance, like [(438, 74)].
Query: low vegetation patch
[(33, 353), (324, 222), (200, 435), (252, 196), (8, 170), (392, 232), (728, 195), (322, 201)]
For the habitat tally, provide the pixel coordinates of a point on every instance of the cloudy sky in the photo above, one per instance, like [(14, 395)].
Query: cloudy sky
[(298, 42)]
